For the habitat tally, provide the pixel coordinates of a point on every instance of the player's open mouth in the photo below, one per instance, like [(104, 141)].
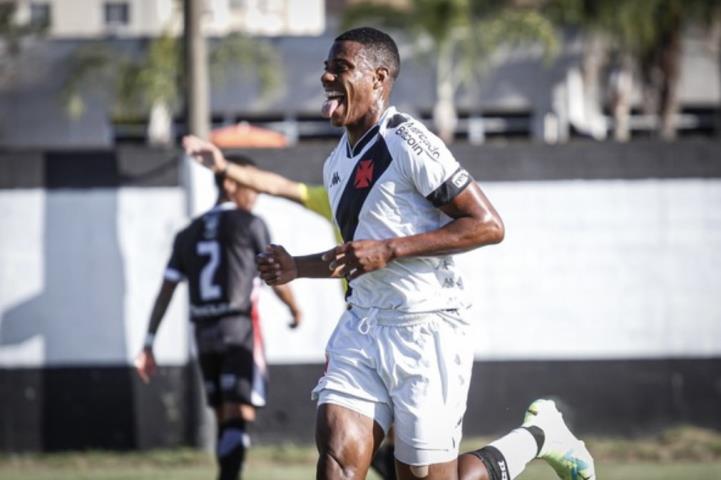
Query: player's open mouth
[(333, 100)]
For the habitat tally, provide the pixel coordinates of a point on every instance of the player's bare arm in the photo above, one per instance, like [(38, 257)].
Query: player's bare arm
[(277, 267), (145, 363), (263, 181), (475, 224), (285, 294)]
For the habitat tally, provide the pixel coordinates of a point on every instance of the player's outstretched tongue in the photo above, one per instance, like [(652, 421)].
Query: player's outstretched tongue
[(329, 107)]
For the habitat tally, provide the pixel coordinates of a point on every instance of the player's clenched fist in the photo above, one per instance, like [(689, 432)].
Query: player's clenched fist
[(361, 256), (276, 266)]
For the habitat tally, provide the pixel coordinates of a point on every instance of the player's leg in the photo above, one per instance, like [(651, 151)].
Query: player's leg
[(353, 405), (503, 459), (544, 435), (346, 441), (211, 364), (384, 460), (233, 439), (428, 366)]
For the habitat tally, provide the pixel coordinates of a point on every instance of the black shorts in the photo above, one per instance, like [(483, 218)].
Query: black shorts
[(232, 359)]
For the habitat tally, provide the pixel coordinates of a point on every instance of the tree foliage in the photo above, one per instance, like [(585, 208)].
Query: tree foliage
[(12, 34), (645, 34), (460, 36), (137, 82)]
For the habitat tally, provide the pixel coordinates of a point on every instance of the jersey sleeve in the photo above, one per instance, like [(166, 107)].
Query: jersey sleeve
[(315, 198), (174, 270), (429, 164), (260, 235)]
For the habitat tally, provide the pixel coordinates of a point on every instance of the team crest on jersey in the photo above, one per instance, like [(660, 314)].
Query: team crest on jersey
[(364, 174), (211, 222)]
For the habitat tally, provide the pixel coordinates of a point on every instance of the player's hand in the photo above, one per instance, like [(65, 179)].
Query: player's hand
[(145, 364), (276, 266), (205, 153), (297, 318), (353, 259)]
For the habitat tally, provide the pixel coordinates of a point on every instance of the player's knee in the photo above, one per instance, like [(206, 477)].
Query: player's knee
[(419, 471), (332, 466), (233, 411), (232, 438)]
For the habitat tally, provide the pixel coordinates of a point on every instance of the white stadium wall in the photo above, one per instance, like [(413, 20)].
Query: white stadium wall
[(597, 269), (603, 293)]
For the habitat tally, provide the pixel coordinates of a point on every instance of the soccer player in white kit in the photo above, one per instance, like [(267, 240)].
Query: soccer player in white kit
[(401, 353)]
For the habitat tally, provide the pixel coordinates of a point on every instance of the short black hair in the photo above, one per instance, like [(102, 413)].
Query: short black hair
[(235, 158), (380, 44)]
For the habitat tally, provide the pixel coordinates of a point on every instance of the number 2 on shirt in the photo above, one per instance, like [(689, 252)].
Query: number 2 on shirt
[(209, 290)]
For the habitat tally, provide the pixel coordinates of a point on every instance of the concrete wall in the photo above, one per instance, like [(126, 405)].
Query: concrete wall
[(607, 276)]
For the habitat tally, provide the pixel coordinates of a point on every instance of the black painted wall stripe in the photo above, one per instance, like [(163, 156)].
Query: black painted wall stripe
[(108, 407), (523, 161)]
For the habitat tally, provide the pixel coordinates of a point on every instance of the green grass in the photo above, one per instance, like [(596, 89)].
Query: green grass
[(683, 453), (255, 471)]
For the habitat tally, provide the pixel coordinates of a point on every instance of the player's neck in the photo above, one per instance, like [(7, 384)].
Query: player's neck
[(357, 130)]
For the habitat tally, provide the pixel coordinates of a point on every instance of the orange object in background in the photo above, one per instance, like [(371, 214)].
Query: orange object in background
[(245, 135)]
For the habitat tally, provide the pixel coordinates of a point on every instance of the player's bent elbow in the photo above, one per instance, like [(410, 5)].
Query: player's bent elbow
[(493, 231), (500, 231)]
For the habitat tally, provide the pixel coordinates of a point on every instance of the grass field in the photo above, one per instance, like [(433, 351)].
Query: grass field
[(685, 453)]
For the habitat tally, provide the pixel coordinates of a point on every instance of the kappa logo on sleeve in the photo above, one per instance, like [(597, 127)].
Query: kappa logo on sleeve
[(364, 174)]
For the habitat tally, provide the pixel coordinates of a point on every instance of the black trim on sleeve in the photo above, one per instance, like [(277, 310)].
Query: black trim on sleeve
[(450, 189)]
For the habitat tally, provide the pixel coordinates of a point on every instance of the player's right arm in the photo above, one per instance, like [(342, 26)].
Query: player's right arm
[(263, 181), (277, 267), (145, 363), (174, 273)]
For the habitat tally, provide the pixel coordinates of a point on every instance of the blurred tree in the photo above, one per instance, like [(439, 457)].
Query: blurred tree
[(461, 35), (12, 34), (151, 83), (642, 35)]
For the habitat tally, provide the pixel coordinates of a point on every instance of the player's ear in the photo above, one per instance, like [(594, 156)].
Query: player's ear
[(382, 76), (229, 185)]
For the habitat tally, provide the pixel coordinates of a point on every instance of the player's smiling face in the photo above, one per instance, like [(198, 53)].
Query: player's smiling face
[(348, 83)]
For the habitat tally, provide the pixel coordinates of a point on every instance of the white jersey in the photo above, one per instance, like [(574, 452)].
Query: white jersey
[(391, 185)]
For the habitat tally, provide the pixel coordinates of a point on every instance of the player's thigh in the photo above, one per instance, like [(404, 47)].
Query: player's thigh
[(429, 399), (243, 378), (346, 441), (438, 471), (210, 367)]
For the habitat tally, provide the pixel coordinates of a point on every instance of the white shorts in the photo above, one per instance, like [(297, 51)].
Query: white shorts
[(412, 371)]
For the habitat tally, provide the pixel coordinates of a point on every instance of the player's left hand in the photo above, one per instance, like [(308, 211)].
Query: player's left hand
[(145, 364), (353, 259)]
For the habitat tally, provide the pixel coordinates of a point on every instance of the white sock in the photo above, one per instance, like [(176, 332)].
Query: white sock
[(518, 448)]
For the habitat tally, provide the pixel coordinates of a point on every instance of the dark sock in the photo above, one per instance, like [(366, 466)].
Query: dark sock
[(230, 450), (384, 462), (538, 436), (494, 462)]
